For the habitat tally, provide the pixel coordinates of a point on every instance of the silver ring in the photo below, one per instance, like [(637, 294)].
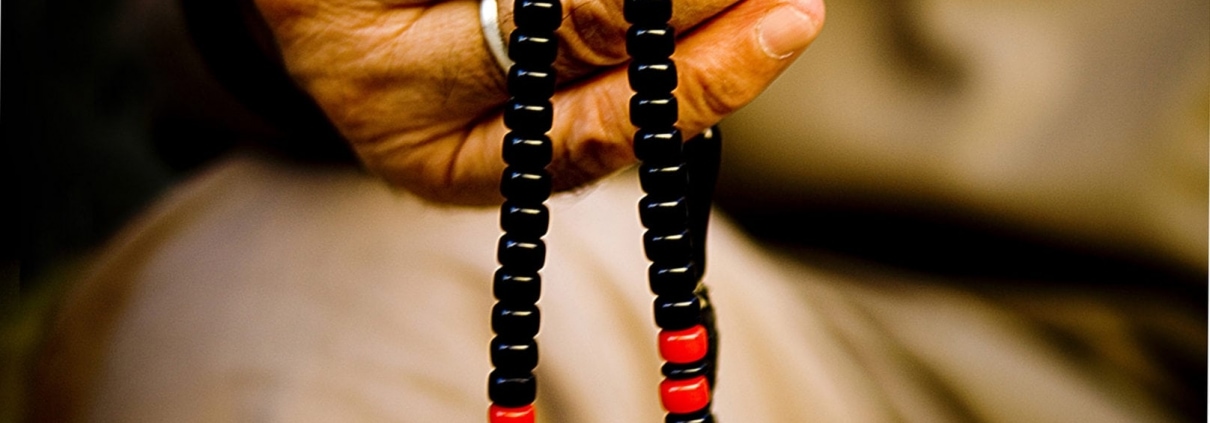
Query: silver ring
[(489, 21)]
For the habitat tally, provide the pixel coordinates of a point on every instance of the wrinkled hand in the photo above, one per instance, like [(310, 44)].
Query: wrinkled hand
[(412, 84)]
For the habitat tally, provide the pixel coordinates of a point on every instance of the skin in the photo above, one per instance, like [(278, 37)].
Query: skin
[(413, 87)]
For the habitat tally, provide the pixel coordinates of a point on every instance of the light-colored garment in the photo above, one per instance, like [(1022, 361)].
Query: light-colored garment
[(265, 291)]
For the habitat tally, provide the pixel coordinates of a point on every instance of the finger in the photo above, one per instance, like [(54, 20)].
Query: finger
[(723, 65)]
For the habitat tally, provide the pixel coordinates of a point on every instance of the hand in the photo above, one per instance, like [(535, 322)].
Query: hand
[(413, 87)]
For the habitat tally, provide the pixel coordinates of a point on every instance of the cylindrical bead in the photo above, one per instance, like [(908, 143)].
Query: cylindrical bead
[(658, 148), (527, 186), (650, 42), (521, 253), (681, 371), (532, 116), (647, 12), (654, 76), (512, 389), (674, 245), (532, 47), (527, 151), (515, 320), (530, 221), (514, 353), (653, 110), (663, 212), (673, 278), (531, 82), (664, 179), (677, 312), (498, 414), (684, 346), (685, 396), (540, 15), (513, 286), (702, 416)]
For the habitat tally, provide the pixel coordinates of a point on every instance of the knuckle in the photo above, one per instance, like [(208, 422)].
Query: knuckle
[(594, 35)]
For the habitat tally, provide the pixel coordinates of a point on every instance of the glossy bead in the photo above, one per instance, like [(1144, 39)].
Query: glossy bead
[(684, 346), (680, 371), (655, 76), (672, 278), (532, 48), (530, 221), (540, 15), (650, 42), (653, 110), (527, 186), (647, 12), (663, 246), (521, 253), (515, 320), (514, 353), (498, 414), (658, 148), (512, 388), (685, 396), (663, 213), (529, 116), (676, 312), (664, 180), (531, 82), (513, 286), (702, 416)]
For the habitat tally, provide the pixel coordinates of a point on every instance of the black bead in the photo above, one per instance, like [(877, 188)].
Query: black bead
[(702, 416), (515, 320), (530, 221), (664, 246), (673, 279), (647, 12), (523, 287), (664, 179), (658, 147), (525, 186), (663, 212), (676, 312), (540, 15), (531, 82), (529, 116), (520, 253), (533, 48), (655, 76), (677, 371), (646, 43), (653, 110), (514, 353), (527, 151), (512, 388)]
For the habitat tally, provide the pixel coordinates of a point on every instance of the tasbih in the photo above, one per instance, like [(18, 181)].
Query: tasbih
[(674, 212)]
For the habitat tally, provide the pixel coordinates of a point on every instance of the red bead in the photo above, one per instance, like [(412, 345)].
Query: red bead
[(498, 414), (684, 346), (685, 396)]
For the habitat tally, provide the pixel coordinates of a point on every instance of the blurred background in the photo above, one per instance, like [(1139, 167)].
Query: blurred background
[(1014, 148)]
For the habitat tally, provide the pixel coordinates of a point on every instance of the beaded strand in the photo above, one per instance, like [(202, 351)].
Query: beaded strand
[(687, 340), (524, 218)]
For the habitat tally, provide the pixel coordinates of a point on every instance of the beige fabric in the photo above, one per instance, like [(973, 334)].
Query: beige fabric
[(1079, 122), (265, 291)]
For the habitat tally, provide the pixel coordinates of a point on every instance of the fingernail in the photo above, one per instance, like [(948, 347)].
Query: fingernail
[(785, 31)]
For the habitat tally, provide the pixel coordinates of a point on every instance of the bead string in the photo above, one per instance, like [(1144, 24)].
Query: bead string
[(525, 185), (687, 341), (674, 212)]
